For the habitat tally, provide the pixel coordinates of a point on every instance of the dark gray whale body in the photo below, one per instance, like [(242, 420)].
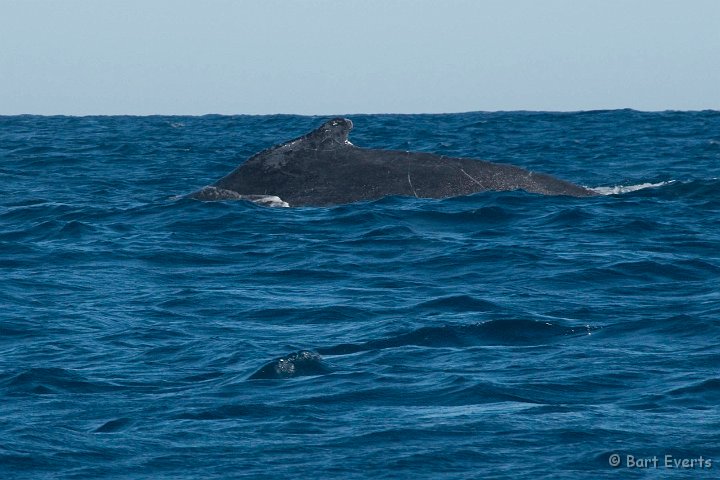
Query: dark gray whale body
[(323, 168), (298, 364)]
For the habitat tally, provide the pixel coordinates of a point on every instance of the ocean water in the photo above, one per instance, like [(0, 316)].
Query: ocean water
[(498, 335)]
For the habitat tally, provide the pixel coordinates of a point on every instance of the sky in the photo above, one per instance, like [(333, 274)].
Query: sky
[(323, 57)]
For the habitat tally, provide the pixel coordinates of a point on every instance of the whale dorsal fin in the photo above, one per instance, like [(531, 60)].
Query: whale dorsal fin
[(331, 133)]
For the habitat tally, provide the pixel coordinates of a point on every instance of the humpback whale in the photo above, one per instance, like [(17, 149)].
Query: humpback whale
[(298, 364), (323, 168)]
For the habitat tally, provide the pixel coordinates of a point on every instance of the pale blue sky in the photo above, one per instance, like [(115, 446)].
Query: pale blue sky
[(80, 57)]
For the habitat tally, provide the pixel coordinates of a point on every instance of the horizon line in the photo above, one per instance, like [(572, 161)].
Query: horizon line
[(213, 114)]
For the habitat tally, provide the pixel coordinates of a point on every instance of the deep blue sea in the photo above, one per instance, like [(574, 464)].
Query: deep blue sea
[(498, 335)]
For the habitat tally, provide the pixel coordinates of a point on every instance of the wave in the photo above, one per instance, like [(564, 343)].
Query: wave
[(494, 332), (458, 303), (620, 189), (52, 381), (114, 425)]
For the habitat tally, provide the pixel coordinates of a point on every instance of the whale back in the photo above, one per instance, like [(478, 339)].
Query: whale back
[(324, 168)]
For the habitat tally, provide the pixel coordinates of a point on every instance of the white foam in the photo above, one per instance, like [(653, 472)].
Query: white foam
[(620, 189), (211, 193), (266, 200)]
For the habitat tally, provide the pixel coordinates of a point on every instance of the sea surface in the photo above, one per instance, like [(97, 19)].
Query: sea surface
[(499, 335)]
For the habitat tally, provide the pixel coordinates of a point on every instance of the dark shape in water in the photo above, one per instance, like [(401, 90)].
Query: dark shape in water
[(298, 364), (324, 168)]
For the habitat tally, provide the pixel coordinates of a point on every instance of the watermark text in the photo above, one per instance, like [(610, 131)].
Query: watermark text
[(664, 461)]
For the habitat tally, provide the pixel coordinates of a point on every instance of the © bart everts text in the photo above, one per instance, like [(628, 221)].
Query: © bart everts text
[(665, 461)]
